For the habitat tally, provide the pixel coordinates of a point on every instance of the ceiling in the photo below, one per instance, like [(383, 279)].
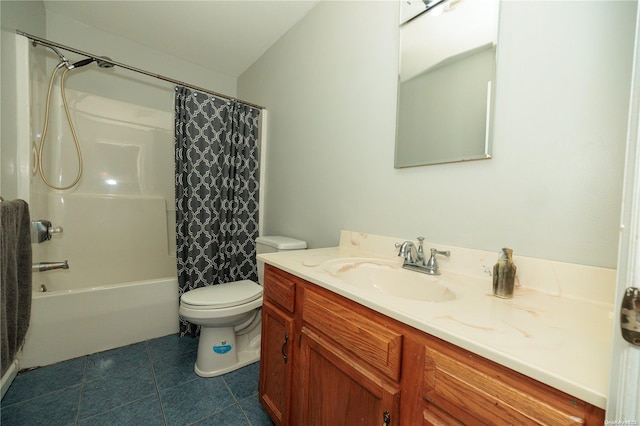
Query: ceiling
[(223, 35)]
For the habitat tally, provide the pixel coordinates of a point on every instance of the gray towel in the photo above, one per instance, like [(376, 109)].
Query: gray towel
[(15, 267)]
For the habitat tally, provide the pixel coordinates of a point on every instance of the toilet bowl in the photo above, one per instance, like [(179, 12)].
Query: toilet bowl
[(229, 316)]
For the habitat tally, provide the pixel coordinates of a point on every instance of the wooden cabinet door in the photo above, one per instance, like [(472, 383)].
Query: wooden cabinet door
[(276, 363), (336, 390)]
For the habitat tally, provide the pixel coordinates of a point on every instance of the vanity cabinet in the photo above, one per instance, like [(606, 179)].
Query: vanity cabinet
[(328, 360), (277, 348)]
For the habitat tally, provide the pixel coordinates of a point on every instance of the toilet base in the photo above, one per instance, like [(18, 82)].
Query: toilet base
[(220, 350)]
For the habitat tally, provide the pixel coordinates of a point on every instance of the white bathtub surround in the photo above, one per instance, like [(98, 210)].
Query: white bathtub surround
[(103, 241), (69, 324), (560, 312), (121, 285)]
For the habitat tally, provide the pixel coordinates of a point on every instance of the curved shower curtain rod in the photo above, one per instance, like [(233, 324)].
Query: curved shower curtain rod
[(54, 45)]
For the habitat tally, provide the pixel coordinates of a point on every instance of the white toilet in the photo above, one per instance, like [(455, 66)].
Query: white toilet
[(230, 317)]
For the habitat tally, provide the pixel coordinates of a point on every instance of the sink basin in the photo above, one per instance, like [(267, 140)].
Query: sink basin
[(388, 277)]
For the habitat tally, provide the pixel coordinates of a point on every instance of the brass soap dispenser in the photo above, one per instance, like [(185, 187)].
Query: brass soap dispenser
[(504, 275)]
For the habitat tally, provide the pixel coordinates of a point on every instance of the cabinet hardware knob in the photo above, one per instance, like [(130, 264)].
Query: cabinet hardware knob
[(284, 347), (386, 418)]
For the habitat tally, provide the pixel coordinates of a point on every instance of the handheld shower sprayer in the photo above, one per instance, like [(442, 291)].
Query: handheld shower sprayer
[(81, 63), (103, 62), (67, 67)]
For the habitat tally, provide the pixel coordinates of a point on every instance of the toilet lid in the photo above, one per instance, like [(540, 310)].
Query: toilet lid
[(223, 295)]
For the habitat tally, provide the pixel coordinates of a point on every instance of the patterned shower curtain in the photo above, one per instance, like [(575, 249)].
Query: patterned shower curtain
[(216, 170)]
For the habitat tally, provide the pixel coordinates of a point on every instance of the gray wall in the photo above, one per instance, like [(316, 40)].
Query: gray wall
[(553, 188)]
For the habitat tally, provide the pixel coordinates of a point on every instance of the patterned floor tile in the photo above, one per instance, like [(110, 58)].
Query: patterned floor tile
[(254, 411), (53, 409), (148, 383), (52, 378), (173, 344), (116, 389), (230, 416), (146, 411), (116, 360), (175, 369), (244, 381), (195, 400)]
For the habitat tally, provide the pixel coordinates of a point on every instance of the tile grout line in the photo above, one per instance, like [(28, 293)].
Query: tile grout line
[(118, 407), (82, 382), (224, 408), (236, 400), (26, 371), (155, 383)]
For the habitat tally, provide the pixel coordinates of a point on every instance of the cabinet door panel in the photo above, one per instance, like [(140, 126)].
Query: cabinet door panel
[(276, 372), (365, 337), (337, 391)]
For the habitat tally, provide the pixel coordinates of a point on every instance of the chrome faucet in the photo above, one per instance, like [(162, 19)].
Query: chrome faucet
[(414, 259), (48, 266), (406, 251)]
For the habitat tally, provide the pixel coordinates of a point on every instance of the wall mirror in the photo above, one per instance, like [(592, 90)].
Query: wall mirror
[(446, 86)]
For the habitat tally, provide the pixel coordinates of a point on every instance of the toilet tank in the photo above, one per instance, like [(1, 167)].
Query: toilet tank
[(272, 245)]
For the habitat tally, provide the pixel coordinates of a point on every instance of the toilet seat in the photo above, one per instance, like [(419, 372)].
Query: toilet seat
[(222, 296)]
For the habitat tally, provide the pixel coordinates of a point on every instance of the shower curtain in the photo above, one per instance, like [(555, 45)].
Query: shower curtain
[(216, 179)]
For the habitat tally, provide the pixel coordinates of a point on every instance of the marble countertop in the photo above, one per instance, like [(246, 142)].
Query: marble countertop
[(555, 338)]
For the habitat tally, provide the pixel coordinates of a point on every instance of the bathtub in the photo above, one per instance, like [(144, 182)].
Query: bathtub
[(68, 324), (121, 286)]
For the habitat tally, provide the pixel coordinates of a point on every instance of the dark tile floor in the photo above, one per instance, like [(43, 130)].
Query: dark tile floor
[(147, 383)]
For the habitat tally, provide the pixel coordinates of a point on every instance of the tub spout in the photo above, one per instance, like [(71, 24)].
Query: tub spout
[(48, 266)]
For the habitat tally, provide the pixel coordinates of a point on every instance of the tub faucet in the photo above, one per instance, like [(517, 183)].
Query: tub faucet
[(48, 266), (414, 259)]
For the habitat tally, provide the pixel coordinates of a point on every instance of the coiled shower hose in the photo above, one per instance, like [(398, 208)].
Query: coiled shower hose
[(46, 125)]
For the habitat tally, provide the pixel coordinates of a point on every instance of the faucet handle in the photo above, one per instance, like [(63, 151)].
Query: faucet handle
[(446, 253), (432, 263)]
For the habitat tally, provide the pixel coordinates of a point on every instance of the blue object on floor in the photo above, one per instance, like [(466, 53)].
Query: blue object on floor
[(149, 383)]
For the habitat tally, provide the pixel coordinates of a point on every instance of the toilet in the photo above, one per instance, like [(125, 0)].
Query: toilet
[(230, 317)]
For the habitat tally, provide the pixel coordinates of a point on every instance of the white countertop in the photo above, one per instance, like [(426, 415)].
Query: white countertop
[(557, 339)]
